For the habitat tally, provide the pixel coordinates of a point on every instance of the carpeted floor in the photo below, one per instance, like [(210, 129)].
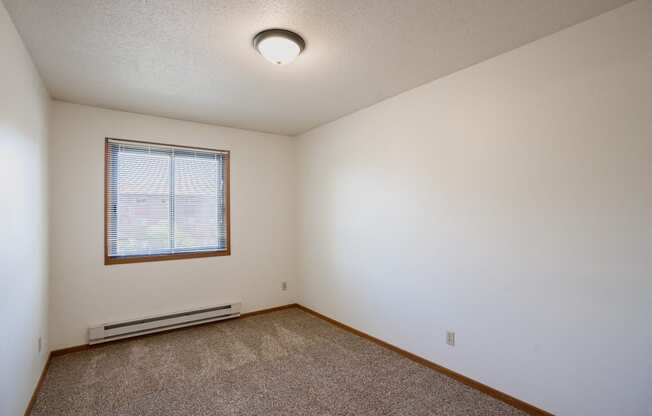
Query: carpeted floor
[(282, 363)]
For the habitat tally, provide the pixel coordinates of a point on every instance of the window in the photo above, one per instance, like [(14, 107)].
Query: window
[(165, 202)]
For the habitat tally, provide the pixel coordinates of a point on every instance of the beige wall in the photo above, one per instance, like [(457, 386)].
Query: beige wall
[(23, 208), (86, 292), (509, 202)]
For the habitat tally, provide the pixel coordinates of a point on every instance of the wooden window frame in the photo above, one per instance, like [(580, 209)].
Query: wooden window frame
[(108, 260)]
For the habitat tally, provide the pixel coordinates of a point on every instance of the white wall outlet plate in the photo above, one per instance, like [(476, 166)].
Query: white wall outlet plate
[(450, 338)]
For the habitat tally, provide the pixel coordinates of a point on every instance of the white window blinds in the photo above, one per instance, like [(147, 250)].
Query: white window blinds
[(164, 200)]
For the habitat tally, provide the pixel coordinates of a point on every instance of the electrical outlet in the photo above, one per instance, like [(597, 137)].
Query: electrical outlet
[(284, 285), (40, 344), (450, 338)]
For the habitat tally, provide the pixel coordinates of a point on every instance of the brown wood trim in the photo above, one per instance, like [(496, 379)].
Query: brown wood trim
[(106, 199), (39, 384), (227, 201), (268, 310), (169, 145), (178, 256), (504, 397), (86, 347), (76, 348)]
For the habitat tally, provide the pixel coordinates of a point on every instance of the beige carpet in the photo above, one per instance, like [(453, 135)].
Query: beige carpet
[(282, 363)]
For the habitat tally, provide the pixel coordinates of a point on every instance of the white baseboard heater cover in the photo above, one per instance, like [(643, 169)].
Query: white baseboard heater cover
[(150, 324)]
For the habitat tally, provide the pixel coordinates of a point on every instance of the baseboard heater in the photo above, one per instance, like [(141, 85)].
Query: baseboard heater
[(157, 323)]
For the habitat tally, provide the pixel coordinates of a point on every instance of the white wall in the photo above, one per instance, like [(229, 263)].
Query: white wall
[(24, 233), (510, 202), (86, 292)]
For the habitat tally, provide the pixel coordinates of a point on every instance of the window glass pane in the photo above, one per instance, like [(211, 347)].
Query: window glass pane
[(142, 202), (198, 202)]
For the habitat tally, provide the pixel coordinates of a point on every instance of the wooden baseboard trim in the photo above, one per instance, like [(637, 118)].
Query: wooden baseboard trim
[(506, 398), (268, 310), (85, 347), (39, 384), (76, 348)]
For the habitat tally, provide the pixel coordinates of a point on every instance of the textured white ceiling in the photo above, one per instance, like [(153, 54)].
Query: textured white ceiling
[(193, 59)]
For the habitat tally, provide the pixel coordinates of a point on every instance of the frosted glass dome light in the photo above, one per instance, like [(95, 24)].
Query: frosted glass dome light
[(279, 46)]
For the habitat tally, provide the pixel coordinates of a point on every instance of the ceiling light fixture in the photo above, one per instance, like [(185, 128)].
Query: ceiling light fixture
[(279, 46)]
